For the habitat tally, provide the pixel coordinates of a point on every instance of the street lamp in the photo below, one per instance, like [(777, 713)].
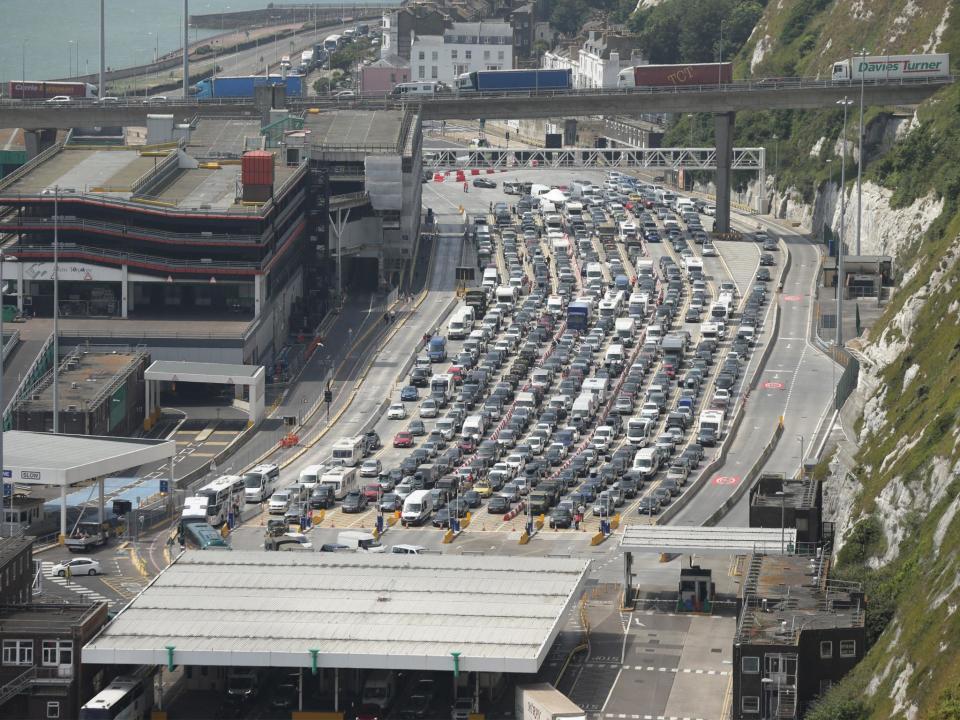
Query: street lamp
[(69, 58), (776, 160), (720, 63), (829, 185), (690, 120), (3, 424), (846, 102), (783, 520), (863, 54)]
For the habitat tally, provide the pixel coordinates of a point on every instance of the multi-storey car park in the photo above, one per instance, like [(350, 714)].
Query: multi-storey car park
[(202, 245)]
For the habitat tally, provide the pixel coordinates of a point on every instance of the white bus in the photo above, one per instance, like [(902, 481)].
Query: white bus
[(348, 451), (222, 495), (343, 480), (124, 698), (332, 43)]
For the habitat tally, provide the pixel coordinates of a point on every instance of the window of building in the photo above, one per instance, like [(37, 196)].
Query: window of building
[(57, 652), (493, 67), (848, 648), (434, 56), (826, 649), (422, 55), (433, 72), (468, 54), (421, 72), (53, 709), (750, 703), (750, 665), (825, 686), (453, 54), (18, 652), (393, 77), (499, 54), (486, 54)]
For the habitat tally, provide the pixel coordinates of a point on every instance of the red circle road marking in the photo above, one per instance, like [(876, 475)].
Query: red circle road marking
[(793, 298), (725, 480), (773, 386)]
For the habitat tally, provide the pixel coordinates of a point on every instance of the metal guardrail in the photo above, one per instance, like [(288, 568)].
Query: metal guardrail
[(97, 253)]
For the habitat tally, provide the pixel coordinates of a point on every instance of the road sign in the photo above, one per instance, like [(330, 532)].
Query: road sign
[(725, 480), (164, 486), (773, 386), (7, 473)]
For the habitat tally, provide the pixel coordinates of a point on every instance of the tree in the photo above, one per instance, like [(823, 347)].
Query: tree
[(568, 15)]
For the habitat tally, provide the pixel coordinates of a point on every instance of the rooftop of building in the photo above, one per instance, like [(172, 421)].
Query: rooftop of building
[(785, 595), (354, 610), (799, 494), (356, 129), (11, 547), (223, 137), (87, 378), (110, 171), (48, 618)]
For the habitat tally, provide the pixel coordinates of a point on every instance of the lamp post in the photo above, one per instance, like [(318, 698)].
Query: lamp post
[(846, 102), (783, 520), (23, 67), (3, 424), (690, 120), (720, 63), (56, 312), (863, 54), (829, 185), (69, 58), (800, 438)]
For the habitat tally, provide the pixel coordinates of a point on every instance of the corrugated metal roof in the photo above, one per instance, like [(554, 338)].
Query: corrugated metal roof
[(389, 611), (707, 540), (48, 459)]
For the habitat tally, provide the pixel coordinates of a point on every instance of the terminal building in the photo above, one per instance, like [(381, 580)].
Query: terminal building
[(776, 500), (217, 240), (798, 633)]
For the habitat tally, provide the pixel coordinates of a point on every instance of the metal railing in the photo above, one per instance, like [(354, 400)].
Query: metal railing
[(162, 236), (68, 250), (659, 158)]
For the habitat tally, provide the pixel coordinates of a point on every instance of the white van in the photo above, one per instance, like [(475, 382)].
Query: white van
[(491, 278), (416, 508), (473, 427), (594, 271), (615, 354), (348, 451), (260, 482), (379, 690), (360, 541), (639, 431), (646, 462), (310, 476)]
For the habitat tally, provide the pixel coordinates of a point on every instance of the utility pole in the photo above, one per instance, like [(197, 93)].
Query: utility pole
[(846, 102), (186, 48), (863, 53), (102, 86)]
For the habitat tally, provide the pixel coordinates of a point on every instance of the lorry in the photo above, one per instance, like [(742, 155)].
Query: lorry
[(306, 61), (681, 75), (90, 534), (542, 701), (45, 90), (243, 86), (625, 330), (514, 80), (892, 67), (477, 299)]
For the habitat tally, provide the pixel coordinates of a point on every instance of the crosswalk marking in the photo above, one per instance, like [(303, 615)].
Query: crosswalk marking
[(47, 569)]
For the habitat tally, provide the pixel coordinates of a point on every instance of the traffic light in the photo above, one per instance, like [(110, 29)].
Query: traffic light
[(328, 396)]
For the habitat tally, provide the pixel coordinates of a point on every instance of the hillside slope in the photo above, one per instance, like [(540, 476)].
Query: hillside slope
[(896, 498)]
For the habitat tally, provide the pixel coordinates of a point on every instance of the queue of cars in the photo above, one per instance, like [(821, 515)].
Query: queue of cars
[(578, 382)]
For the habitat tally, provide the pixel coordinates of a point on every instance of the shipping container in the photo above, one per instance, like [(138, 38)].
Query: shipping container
[(514, 80), (544, 702), (892, 67), (43, 90), (257, 168), (676, 75)]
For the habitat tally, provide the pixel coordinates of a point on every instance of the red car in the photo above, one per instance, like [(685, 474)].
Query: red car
[(457, 373), (372, 492), (468, 445), (403, 439)]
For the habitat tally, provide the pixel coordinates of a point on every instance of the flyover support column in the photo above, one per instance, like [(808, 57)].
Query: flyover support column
[(569, 132), (36, 141), (124, 290), (723, 132), (63, 513)]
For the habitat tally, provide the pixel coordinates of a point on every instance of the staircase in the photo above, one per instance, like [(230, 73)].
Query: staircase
[(17, 685)]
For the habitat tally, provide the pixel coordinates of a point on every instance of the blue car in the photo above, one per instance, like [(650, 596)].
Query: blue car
[(653, 237), (409, 394)]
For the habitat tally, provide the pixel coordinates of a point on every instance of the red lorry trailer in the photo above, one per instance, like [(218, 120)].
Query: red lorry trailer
[(676, 75), (44, 90)]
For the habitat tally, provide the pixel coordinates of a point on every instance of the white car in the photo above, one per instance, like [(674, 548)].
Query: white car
[(429, 409), (407, 549), (396, 412), (108, 100), (60, 99), (77, 566), (710, 210), (155, 99), (708, 250), (370, 468)]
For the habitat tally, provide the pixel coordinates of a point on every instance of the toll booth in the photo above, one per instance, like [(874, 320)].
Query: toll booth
[(696, 589)]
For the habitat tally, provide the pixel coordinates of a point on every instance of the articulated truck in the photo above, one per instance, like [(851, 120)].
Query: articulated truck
[(544, 702), (892, 67), (676, 75)]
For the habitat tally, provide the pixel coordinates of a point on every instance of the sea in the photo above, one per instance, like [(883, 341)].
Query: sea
[(50, 39)]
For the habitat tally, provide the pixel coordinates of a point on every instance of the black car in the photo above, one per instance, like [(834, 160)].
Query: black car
[(648, 506), (321, 497), (354, 502), (560, 517), (417, 428), (481, 182), (471, 498), (498, 505), (390, 503), (420, 377), (707, 437), (763, 275), (441, 518)]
